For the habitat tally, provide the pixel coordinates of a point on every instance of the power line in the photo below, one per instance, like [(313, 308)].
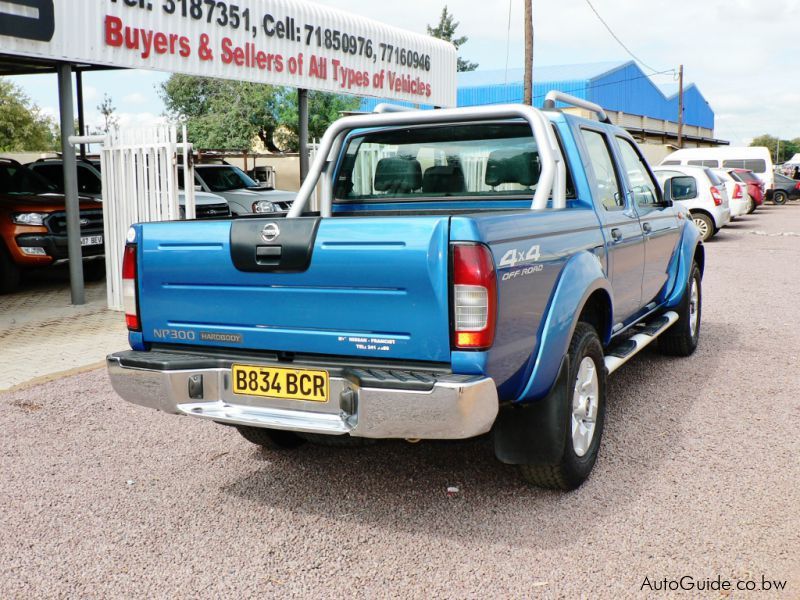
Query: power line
[(619, 41)]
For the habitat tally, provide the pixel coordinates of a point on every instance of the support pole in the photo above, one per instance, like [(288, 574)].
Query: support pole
[(74, 252), (680, 107), (528, 85), (302, 109), (81, 114)]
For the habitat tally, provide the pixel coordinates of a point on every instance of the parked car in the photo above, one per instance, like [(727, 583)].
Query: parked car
[(738, 198), (702, 192), (752, 158), (244, 194), (755, 187), (460, 277), (90, 183), (786, 188), (33, 226)]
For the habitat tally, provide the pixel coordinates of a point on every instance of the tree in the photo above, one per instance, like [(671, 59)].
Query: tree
[(446, 30), (22, 125), (107, 109), (230, 115), (323, 109), (779, 154)]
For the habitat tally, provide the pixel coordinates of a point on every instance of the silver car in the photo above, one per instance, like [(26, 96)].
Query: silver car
[(244, 194)]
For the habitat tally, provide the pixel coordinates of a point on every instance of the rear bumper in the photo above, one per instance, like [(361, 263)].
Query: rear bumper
[(401, 405), (56, 246)]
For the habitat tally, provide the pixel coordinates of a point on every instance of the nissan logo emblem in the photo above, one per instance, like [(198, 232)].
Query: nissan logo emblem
[(270, 232)]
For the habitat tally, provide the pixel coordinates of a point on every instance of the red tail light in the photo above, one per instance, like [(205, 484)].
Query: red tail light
[(716, 195), (130, 298), (737, 191), (474, 297), (797, 185)]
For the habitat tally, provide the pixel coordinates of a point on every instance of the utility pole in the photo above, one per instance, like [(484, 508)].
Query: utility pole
[(680, 107), (527, 97)]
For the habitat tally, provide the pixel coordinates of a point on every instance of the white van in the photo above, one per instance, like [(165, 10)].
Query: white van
[(754, 158)]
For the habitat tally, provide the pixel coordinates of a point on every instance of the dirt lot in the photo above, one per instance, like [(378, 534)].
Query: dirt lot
[(698, 476)]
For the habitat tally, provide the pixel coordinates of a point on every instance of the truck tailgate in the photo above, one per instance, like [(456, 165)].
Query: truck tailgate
[(375, 286)]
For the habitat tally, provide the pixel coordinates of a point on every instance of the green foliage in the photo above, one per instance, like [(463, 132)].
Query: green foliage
[(323, 109), (787, 149), (107, 109), (229, 115), (446, 30), (22, 125)]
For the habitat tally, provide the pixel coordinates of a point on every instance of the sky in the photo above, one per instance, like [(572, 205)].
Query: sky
[(738, 52)]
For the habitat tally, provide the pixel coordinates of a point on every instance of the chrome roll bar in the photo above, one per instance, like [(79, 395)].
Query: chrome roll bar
[(552, 179), (554, 96)]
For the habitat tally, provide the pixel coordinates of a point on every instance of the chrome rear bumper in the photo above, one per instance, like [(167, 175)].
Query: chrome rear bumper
[(454, 406)]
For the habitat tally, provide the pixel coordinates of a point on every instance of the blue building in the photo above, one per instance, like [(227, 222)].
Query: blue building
[(632, 100)]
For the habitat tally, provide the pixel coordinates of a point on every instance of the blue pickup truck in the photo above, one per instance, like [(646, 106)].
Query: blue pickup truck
[(466, 271)]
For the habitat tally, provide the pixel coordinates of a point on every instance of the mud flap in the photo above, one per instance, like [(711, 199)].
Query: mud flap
[(535, 432)]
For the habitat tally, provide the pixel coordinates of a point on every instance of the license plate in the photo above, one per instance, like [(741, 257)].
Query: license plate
[(286, 384), (91, 240)]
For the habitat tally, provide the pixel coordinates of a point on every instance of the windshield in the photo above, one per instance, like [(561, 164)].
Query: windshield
[(486, 160), (225, 178), (748, 176), (16, 179)]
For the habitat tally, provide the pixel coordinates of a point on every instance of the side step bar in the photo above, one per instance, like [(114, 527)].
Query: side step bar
[(619, 355)]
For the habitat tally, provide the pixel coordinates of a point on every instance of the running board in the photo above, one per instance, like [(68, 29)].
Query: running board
[(622, 353)]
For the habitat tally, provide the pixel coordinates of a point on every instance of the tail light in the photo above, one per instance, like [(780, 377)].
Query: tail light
[(737, 191), (716, 195), (130, 300), (797, 185), (474, 297)]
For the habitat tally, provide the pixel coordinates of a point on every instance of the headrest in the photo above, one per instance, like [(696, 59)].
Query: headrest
[(446, 179), (398, 175), (513, 166)]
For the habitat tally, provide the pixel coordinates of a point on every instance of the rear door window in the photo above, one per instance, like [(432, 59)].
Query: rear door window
[(642, 184), (603, 169), (480, 161)]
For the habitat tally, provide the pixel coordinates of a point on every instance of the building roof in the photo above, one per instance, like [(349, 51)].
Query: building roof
[(615, 85)]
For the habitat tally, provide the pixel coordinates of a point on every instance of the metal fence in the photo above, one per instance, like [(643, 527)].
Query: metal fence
[(140, 184)]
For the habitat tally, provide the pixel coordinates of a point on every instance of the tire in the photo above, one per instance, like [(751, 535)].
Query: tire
[(9, 273), (336, 441), (580, 448), (271, 439), (681, 339), (705, 224), (779, 197)]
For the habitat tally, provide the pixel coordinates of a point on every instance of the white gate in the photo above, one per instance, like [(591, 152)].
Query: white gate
[(140, 184)]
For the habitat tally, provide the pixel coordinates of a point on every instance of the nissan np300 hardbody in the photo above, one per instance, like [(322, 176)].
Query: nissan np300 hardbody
[(468, 271)]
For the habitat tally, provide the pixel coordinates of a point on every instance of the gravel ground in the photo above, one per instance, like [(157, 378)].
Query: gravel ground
[(698, 476)]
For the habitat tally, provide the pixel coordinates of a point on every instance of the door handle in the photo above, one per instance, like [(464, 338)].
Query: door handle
[(647, 227), (616, 234)]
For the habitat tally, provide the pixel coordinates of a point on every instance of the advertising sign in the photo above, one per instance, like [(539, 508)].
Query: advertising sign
[(279, 42)]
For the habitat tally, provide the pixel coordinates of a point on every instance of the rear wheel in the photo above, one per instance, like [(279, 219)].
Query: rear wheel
[(271, 439), (779, 197), (586, 414), (9, 273), (705, 225), (681, 339)]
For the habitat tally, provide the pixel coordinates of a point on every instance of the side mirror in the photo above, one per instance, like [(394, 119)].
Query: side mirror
[(680, 188)]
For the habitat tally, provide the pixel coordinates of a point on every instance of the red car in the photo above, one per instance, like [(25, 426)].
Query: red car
[(755, 187)]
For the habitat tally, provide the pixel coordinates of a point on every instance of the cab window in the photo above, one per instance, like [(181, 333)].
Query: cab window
[(603, 169), (643, 187)]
